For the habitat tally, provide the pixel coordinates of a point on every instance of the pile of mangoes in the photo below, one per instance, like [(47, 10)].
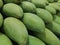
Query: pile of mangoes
[(29, 22)]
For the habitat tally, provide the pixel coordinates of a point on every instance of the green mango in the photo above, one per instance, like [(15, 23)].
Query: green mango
[(16, 30), (1, 3), (13, 10), (50, 1), (54, 27), (58, 14), (49, 38), (35, 41), (56, 0), (57, 19), (12, 1), (33, 22), (28, 6), (59, 1), (39, 3), (50, 9), (1, 19), (56, 6), (45, 15), (4, 40)]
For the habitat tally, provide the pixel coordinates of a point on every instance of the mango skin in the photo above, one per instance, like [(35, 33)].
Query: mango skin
[(35, 41), (1, 19), (54, 27), (45, 15), (16, 30), (4, 40), (50, 1), (12, 1), (54, 5), (50, 9), (1, 3), (28, 6), (13, 10), (33, 22), (49, 38), (57, 19), (39, 3)]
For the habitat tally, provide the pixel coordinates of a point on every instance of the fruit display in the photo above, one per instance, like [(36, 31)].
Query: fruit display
[(29, 22)]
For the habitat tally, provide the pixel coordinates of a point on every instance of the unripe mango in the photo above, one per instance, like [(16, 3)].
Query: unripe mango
[(13, 10), (57, 19), (12, 1), (16, 30), (1, 19), (4, 40), (50, 9), (35, 41), (33, 22), (54, 27), (45, 15), (28, 6), (49, 38), (39, 3), (56, 6), (1, 3)]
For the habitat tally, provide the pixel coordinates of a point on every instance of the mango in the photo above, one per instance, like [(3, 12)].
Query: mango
[(12, 1), (4, 40), (33, 22), (13, 10), (57, 19), (1, 19), (45, 15), (54, 27), (16, 30), (28, 6), (35, 41), (49, 38), (39, 3), (1, 3), (50, 9)]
